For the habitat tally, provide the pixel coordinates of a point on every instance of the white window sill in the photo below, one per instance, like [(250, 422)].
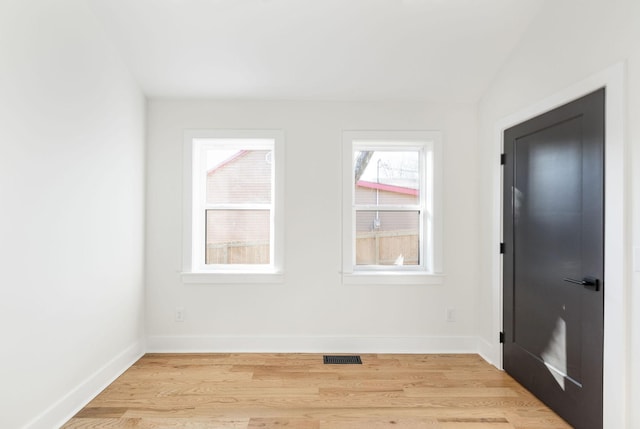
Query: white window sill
[(232, 277), (392, 278)]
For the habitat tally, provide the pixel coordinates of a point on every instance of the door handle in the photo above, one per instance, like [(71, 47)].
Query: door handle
[(588, 282)]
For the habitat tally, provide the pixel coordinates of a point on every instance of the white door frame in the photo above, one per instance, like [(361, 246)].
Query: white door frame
[(616, 246)]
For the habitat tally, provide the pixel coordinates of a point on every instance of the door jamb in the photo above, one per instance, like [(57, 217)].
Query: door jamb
[(616, 246)]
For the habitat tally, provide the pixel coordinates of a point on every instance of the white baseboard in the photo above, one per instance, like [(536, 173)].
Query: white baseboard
[(226, 344), (65, 408)]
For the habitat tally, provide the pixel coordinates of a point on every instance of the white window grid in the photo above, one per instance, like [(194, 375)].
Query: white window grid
[(196, 144), (427, 143)]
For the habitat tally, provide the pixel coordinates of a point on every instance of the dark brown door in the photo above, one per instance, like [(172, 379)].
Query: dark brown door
[(553, 266)]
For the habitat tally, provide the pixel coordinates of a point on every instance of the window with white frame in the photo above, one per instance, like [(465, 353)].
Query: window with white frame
[(233, 204), (391, 192)]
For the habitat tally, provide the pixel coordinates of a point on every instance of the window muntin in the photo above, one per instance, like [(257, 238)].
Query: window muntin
[(234, 202), (391, 218)]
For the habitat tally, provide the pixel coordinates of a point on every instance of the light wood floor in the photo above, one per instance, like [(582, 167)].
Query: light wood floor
[(248, 391)]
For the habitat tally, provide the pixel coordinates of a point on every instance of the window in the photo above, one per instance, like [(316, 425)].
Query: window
[(233, 206), (391, 220)]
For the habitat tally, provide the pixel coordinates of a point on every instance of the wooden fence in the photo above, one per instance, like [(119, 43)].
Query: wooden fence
[(244, 252), (372, 248), (384, 247)]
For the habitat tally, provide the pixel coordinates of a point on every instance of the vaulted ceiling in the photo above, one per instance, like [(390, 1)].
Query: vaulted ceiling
[(435, 50)]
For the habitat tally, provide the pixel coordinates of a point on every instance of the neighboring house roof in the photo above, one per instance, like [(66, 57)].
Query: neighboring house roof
[(361, 183), (227, 161), (388, 188)]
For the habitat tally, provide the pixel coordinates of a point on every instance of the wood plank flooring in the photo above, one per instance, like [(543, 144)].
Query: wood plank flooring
[(250, 391)]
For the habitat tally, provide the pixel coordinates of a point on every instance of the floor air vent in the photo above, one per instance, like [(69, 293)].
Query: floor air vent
[(343, 360)]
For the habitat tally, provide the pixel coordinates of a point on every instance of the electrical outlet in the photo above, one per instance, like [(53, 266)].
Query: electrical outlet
[(179, 314), (451, 314)]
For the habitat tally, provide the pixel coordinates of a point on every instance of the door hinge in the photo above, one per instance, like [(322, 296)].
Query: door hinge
[(501, 248), (503, 159), (501, 337)]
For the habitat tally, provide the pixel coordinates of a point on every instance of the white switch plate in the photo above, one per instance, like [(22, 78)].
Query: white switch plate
[(451, 314)]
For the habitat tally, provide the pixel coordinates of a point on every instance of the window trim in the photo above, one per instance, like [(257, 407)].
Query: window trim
[(430, 270), (192, 270)]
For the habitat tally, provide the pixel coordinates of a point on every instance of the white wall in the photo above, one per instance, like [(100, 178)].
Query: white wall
[(71, 217), (312, 310), (568, 42)]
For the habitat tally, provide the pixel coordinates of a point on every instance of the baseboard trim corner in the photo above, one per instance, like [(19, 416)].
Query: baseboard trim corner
[(490, 352), (66, 407)]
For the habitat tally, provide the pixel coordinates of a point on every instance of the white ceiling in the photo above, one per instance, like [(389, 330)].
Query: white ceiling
[(436, 50)]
